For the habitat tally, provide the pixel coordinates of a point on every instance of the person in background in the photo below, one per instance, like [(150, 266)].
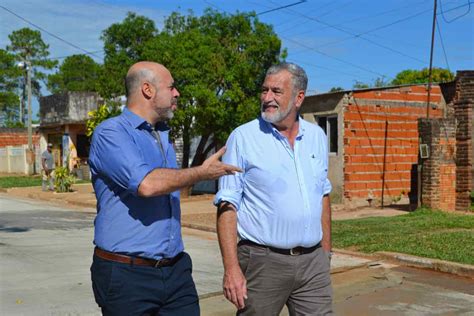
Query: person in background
[(47, 168)]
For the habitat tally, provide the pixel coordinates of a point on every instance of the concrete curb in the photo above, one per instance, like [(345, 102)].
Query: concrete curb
[(199, 227), (464, 270), (355, 254)]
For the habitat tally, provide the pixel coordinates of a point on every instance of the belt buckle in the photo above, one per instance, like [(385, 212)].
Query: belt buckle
[(158, 263), (295, 252)]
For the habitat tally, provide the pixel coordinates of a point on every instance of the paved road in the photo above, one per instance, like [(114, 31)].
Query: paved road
[(45, 255)]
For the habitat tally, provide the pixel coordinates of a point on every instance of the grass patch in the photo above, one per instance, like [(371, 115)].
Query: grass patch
[(424, 233), (20, 181), (25, 181)]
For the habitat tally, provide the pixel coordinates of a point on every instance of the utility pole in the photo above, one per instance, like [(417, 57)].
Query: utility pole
[(28, 85), (420, 164), (30, 153), (22, 99), (433, 28)]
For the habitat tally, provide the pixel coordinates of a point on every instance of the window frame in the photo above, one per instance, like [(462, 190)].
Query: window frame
[(327, 130)]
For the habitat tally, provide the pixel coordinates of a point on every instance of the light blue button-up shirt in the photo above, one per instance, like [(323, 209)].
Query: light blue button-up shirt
[(123, 152), (278, 196)]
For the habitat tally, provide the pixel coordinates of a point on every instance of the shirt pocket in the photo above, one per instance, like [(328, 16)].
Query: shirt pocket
[(319, 169)]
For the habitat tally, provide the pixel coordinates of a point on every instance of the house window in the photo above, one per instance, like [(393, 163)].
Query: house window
[(329, 126)]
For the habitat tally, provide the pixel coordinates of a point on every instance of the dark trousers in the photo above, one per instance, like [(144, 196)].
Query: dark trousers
[(123, 289)]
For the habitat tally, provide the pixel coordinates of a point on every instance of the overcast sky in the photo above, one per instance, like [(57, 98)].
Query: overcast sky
[(336, 41)]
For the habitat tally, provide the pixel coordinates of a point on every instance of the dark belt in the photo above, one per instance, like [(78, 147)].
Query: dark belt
[(290, 252), (111, 256)]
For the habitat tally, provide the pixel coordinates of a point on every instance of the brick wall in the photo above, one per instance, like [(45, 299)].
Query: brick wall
[(438, 188), (464, 112), (381, 141), (16, 137)]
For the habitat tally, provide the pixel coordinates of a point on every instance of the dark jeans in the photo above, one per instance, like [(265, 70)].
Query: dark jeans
[(123, 289)]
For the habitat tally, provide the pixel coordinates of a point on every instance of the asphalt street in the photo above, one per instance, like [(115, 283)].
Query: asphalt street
[(46, 252)]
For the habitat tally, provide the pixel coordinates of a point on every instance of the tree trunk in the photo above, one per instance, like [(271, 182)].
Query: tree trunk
[(186, 148), (198, 156), (186, 191), (206, 151)]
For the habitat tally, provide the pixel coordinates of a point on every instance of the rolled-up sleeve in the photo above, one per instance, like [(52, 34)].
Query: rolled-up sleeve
[(231, 186), (116, 156), (327, 188)]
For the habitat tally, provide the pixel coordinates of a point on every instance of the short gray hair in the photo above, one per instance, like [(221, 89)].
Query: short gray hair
[(298, 75), (134, 80)]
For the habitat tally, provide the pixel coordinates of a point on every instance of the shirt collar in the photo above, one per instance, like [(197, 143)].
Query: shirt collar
[(134, 120), (138, 122), (276, 132)]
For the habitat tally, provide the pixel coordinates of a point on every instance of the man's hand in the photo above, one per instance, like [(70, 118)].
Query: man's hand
[(235, 287), (213, 168)]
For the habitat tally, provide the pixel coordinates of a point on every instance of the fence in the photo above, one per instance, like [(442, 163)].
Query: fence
[(14, 159)]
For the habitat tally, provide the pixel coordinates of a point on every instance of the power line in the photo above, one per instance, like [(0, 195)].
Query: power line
[(282, 7), (442, 44), (372, 30), (336, 58), (320, 52), (370, 16), (456, 18), (47, 32), (393, 23), (357, 19), (66, 56), (334, 9), (389, 24), (354, 35), (330, 69)]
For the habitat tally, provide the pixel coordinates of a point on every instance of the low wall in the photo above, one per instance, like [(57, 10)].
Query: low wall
[(14, 159)]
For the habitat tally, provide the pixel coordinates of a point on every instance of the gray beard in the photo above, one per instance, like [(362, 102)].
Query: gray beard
[(275, 117), (165, 114)]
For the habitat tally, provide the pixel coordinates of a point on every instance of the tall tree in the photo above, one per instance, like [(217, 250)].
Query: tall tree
[(219, 62), (76, 73), (411, 76), (28, 46), (9, 87), (123, 45)]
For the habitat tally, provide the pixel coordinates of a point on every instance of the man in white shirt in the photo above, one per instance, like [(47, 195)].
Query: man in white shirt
[(278, 207)]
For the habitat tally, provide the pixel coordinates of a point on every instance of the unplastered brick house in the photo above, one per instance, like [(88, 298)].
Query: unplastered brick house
[(374, 140)]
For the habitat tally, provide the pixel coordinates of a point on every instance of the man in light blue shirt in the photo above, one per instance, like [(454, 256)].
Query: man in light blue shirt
[(139, 267), (278, 207)]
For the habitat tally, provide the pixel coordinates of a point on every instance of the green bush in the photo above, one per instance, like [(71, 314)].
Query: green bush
[(63, 179), (102, 113)]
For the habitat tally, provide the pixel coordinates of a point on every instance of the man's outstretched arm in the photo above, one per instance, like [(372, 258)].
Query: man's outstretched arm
[(163, 181)]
